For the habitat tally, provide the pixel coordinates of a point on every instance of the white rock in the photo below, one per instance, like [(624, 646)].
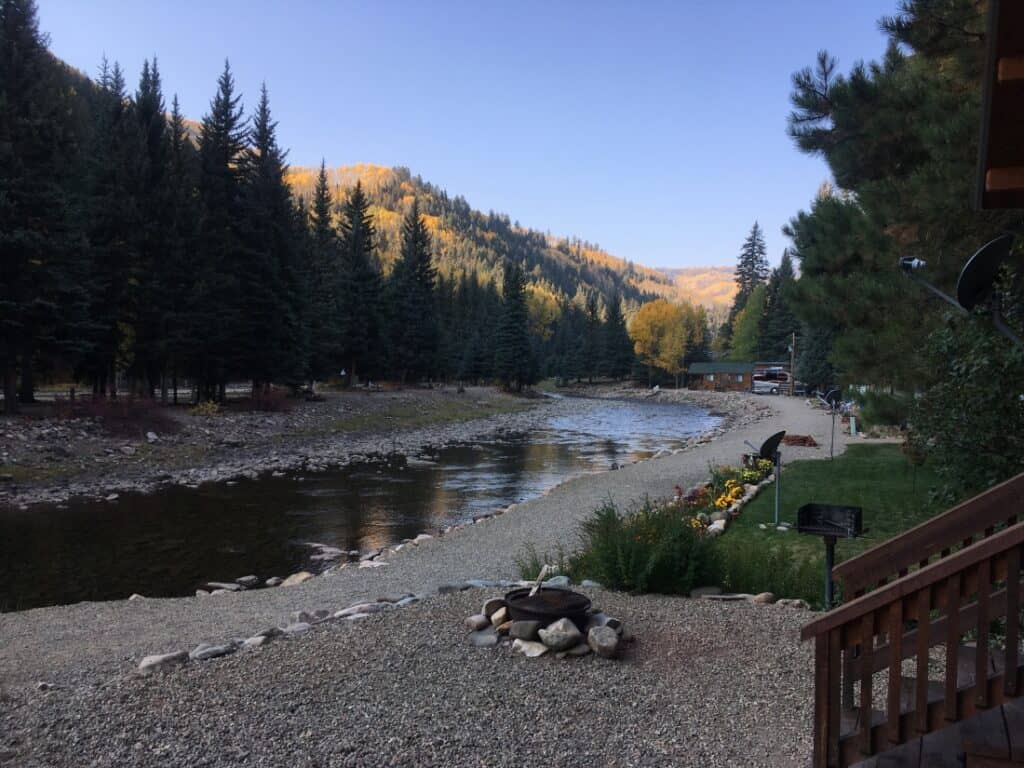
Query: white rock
[(136, 596), (202, 593), (529, 648), (161, 661), (422, 538), (152, 437), (273, 581), (763, 597), (254, 642), (372, 563), (227, 586), (477, 621), (297, 578), (247, 581), (205, 651), (493, 605), (500, 616), (561, 635), (603, 641), (297, 628)]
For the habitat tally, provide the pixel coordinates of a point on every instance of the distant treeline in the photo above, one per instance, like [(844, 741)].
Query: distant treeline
[(138, 246)]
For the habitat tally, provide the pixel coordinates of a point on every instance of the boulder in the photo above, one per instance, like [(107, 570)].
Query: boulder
[(524, 630), (603, 641), (559, 582), (577, 650), (492, 606), (205, 651), (484, 638), (477, 622), (561, 635), (162, 661), (226, 586), (529, 648), (297, 578)]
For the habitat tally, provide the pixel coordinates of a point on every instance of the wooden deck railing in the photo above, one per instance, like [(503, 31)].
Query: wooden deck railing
[(960, 594), (960, 526)]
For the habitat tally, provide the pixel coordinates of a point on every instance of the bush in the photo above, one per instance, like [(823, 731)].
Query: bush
[(122, 417), (531, 562), (881, 409), (756, 566), (206, 409), (649, 549)]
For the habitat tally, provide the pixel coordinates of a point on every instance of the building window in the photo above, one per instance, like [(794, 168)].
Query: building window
[(738, 378), (709, 377)]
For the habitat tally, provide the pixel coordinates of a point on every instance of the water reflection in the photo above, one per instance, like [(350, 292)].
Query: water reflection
[(169, 543)]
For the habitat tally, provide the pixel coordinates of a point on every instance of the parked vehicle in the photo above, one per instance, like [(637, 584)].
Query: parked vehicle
[(771, 382)]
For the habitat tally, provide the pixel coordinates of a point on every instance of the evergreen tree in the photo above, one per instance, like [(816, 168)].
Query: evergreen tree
[(40, 267), (413, 332), (324, 278), (512, 363), (590, 348), (269, 337), (617, 347), (779, 321), (360, 290), (214, 311), (751, 271), (813, 364), (113, 221), (746, 339)]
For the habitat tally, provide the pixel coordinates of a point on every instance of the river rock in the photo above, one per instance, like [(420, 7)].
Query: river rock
[(297, 628), (254, 642), (763, 597), (407, 601), (422, 538), (205, 651), (604, 620), (559, 582), (577, 650), (297, 578), (202, 593), (529, 648), (394, 597), (152, 437), (500, 616), (162, 661), (273, 581), (484, 638), (226, 586), (492, 606), (561, 635), (794, 603), (524, 630), (136, 596), (371, 554), (603, 641), (477, 622), (248, 582)]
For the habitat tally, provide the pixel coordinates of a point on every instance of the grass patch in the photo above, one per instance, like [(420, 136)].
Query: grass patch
[(411, 416), (877, 478)]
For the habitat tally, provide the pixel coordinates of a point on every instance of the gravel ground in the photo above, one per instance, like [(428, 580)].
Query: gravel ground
[(703, 684), (402, 689)]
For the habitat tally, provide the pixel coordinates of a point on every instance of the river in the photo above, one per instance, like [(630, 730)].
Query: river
[(170, 542)]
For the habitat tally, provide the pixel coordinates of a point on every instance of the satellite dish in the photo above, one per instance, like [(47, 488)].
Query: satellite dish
[(978, 276), (771, 446)]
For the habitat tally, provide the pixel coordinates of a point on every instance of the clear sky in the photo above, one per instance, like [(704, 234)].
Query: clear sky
[(655, 129)]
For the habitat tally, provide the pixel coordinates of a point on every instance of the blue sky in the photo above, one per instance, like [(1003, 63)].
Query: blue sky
[(656, 129)]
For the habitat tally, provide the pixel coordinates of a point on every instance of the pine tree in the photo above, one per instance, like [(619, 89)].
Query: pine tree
[(617, 347), (751, 271), (270, 335), (360, 290), (324, 277), (413, 332), (40, 269), (512, 363), (113, 221), (590, 349), (214, 311), (779, 322)]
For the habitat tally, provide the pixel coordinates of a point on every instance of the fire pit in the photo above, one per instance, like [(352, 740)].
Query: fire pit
[(549, 605)]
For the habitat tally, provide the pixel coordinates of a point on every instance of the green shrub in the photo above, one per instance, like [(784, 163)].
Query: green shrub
[(530, 562), (649, 549), (754, 566), (881, 409)]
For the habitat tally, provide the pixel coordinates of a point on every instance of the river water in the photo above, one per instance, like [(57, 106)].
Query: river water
[(170, 542)]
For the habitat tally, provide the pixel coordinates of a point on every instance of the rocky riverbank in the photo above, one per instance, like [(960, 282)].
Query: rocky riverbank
[(44, 458)]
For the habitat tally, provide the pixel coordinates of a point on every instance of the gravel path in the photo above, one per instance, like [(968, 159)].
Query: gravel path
[(90, 642), (703, 684)]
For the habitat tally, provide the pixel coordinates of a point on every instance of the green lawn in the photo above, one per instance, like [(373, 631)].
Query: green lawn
[(876, 478)]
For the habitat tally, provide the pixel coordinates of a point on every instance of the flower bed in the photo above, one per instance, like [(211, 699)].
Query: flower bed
[(711, 506)]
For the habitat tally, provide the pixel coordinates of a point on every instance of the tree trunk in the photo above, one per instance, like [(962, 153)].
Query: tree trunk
[(222, 392), (174, 385), (28, 379), (10, 387)]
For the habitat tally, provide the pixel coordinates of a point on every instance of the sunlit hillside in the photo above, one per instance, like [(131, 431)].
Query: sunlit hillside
[(476, 242)]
